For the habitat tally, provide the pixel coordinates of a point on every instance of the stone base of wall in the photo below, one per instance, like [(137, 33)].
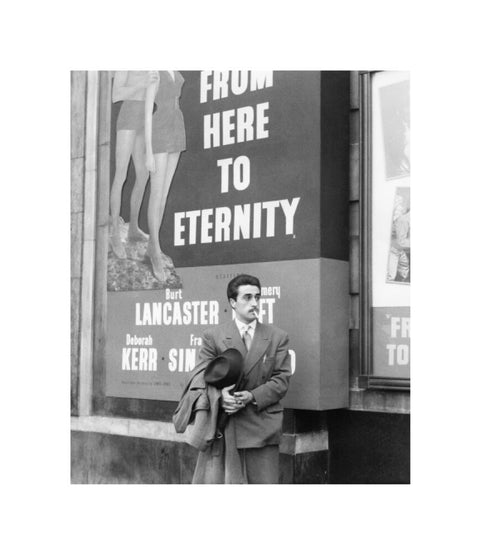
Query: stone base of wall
[(98, 458), (337, 447)]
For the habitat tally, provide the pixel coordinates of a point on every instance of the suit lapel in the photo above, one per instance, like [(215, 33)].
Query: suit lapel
[(233, 339), (261, 340), (260, 343)]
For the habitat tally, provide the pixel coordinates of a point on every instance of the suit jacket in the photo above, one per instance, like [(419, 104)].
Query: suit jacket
[(267, 372)]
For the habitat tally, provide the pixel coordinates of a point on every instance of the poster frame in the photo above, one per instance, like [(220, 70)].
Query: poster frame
[(366, 377)]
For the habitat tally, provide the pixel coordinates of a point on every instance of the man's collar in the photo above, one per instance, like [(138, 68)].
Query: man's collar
[(242, 326)]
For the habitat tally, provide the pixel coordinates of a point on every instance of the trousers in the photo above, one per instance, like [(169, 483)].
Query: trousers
[(261, 465)]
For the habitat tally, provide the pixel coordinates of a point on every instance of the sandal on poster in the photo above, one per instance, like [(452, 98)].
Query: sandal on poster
[(117, 247), (158, 268), (167, 260), (137, 235), (116, 243)]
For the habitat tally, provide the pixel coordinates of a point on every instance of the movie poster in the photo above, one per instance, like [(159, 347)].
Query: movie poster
[(234, 189), (391, 250)]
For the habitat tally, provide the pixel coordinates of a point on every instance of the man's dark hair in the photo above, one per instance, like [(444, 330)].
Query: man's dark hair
[(238, 281)]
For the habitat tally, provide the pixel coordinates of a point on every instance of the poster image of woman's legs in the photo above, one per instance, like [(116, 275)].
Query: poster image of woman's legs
[(136, 259), (160, 181), (129, 144), (141, 178)]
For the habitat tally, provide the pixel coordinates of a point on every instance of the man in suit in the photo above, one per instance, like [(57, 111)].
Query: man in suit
[(254, 410)]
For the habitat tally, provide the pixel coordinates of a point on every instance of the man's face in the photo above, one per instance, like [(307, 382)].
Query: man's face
[(246, 304)]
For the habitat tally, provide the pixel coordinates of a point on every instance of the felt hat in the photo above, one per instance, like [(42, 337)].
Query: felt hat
[(225, 370)]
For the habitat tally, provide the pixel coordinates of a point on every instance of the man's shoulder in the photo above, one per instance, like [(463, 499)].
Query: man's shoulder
[(271, 329)]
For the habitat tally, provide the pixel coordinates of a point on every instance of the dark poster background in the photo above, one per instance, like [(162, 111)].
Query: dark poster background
[(283, 166)]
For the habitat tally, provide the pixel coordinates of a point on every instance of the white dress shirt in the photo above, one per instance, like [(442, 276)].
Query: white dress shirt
[(242, 327)]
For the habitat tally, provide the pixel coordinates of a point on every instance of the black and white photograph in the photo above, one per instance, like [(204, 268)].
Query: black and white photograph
[(224, 348)]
